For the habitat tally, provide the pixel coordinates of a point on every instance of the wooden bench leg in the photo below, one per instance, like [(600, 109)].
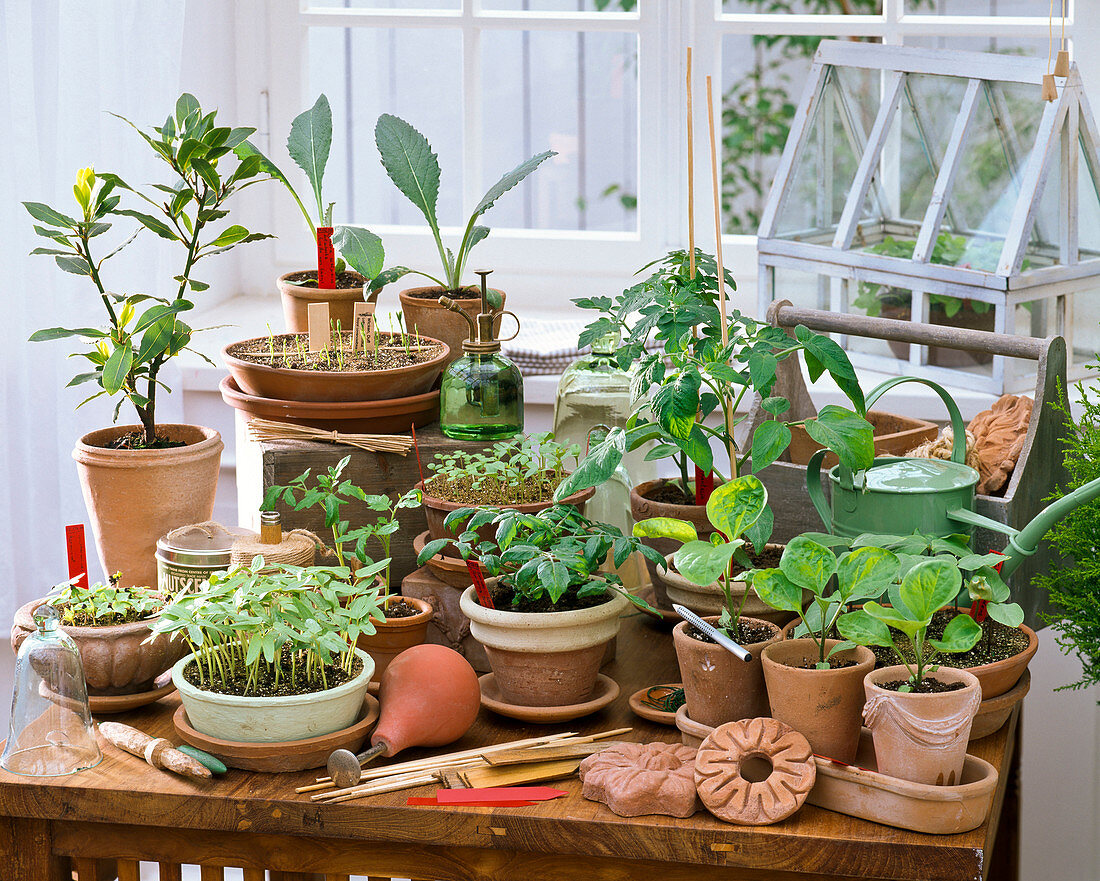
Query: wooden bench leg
[(27, 850)]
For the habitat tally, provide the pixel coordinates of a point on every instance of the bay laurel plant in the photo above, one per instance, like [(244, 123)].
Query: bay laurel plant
[(670, 330), (733, 509), (143, 331), (266, 627), (330, 491)]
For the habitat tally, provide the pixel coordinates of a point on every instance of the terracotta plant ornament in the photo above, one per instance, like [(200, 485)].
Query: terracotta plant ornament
[(754, 772), (635, 779)]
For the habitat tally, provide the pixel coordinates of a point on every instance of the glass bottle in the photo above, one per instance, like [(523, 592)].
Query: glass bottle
[(481, 396)]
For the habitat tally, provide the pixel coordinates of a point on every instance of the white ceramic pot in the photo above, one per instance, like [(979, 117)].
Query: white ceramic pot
[(708, 600), (273, 719)]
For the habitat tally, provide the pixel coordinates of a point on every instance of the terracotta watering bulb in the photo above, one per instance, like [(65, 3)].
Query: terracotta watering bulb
[(430, 697)]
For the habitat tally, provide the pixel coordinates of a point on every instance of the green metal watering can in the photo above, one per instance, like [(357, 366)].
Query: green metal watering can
[(902, 495)]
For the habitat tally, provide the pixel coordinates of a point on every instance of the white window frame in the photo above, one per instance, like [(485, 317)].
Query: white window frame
[(574, 262)]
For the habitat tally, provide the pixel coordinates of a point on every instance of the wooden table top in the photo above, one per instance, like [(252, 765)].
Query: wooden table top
[(814, 843)]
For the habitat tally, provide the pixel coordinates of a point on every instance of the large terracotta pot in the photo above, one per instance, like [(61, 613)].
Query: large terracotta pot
[(296, 299), (273, 719), (392, 636), (823, 705), (921, 737), (423, 314), (642, 508), (544, 659), (719, 687), (134, 497), (116, 659), (710, 600), (328, 386)]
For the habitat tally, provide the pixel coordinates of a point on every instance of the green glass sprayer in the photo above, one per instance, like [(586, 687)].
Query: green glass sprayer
[(482, 392)]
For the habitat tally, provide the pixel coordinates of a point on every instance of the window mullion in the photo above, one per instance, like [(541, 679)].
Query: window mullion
[(471, 106)]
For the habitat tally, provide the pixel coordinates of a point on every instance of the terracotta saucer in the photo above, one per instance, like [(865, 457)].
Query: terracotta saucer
[(108, 704), (993, 712), (641, 708), (293, 755), (607, 689)]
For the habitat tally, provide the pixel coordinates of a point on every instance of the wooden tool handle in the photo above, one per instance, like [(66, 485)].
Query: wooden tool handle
[(546, 753), (157, 751)]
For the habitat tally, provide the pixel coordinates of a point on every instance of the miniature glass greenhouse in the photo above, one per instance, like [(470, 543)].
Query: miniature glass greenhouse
[(939, 187)]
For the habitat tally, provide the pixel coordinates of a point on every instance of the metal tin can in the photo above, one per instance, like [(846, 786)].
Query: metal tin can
[(188, 556)]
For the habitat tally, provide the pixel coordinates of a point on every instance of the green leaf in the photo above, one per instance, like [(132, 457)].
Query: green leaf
[(149, 222), (769, 441), (929, 586), (361, 248), (596, 467), (186, 104), (808, 564), (46, 214), (863, 628), (696, 446), (208, 173), (157, 338), (75, 265), (309, 143), (735, 505), (59, 333), (848, 435), (778, 591), (506, 183), (1008, 614), (960, 635), (410, 163), (894, 617), (230, 236), (666, 527), (117, 368), (676, 403), (154, 313), (775, 405), (822, 352), (762, 367), (865, 573), (701, 563)]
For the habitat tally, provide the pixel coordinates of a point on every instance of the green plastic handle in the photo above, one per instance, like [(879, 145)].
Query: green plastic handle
[(813, 487), (958, 427)]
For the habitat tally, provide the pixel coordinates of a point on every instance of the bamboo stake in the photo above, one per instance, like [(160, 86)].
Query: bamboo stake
[(691, 173), (378, 788), (721, 270)]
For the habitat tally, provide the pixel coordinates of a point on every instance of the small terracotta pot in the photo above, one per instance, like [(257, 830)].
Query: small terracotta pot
[(116, 659), (719, 687), (823, 705), (392, 636), (544, 659), (642, 508), (296, 300), (451, 571), (710, 600), (921, 737), (437, 509), (424, 315), (134, 497), (333, 386)]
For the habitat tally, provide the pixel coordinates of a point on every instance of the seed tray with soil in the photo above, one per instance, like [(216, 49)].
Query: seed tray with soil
[(289, 683), (744, 634), (928, 685), (491, 492), (290, 351)]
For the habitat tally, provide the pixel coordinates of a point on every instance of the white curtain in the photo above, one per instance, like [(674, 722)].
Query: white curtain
[(63, 65)]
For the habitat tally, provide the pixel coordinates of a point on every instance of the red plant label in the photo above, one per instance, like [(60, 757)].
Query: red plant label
[(77, 553), (326, 259), (483, 597), (704, 485)]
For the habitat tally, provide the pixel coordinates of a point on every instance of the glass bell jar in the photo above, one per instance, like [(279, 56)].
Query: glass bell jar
[(51, 731)]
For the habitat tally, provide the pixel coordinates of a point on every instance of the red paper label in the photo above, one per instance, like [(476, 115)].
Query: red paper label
[(480, 796), (77, 554), (326, 259), (980, 611), (474, 568), (414, 801), (704, 485)]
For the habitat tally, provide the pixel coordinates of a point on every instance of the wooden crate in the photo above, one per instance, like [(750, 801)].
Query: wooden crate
[(1039, 470)]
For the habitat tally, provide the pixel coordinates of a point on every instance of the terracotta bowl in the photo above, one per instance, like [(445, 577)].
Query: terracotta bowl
[(449, 570), (366, 417), (116, 659), (331, 386)]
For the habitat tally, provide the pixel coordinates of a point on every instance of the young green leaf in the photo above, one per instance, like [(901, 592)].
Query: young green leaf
[(778, 591), (960, 635), (361, 248), (701, 563), (410, 163), (808, 564), (666, 527), (309, 143)]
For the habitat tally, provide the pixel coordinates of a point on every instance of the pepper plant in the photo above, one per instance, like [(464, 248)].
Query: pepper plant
[(143, 332)]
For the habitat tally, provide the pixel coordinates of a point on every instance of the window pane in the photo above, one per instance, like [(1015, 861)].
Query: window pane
[(980, 7), (575, 93), (392, 5), (415, 74), (562, 5), (805, 7)]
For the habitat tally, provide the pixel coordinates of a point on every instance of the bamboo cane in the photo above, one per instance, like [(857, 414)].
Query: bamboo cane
[(691, 172)]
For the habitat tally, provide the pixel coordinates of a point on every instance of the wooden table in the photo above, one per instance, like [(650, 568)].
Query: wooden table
[(126, 811)]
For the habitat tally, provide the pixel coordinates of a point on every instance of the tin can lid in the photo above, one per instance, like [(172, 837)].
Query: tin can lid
[(202, 544)]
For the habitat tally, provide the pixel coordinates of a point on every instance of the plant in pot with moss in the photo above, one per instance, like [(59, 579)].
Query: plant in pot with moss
[(360, 251), (402, 622), (272, 650), (694, 375), (719, 687), (919, 712), (414, 169), (140, 481), (110, 625)]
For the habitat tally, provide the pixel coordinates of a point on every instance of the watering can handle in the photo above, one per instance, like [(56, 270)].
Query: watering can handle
[(958, 428), (813, 487)]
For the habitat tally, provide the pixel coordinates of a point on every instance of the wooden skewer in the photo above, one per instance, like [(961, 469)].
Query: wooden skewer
[(379, 787), (691, 172), (718, 256)]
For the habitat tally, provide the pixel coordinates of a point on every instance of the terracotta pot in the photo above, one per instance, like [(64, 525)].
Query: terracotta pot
[(273, 719), (332, 386), (710, 600), (642, 508), (355, 417), (966, 318), (544, 659), (451, 571), (823, 705), (437, 509), (894, 436), (134, 497), (719, 687), (921, 737), (392, 636), (424, 315), (296, 300), (116, 659)]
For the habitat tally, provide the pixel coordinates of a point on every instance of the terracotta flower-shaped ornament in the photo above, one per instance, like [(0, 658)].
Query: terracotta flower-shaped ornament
[(754, 772), (635, 779)]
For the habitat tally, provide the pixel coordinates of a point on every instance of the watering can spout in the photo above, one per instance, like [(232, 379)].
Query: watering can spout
[(1026, 542)]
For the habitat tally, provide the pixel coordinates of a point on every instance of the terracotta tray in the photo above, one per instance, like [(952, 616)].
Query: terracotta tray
[(109, 704), (640, 708), (607, 689), (294, 755), (994, 712)]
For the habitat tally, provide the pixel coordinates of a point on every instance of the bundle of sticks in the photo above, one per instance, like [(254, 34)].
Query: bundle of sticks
[(268, 430), (542, 758)]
